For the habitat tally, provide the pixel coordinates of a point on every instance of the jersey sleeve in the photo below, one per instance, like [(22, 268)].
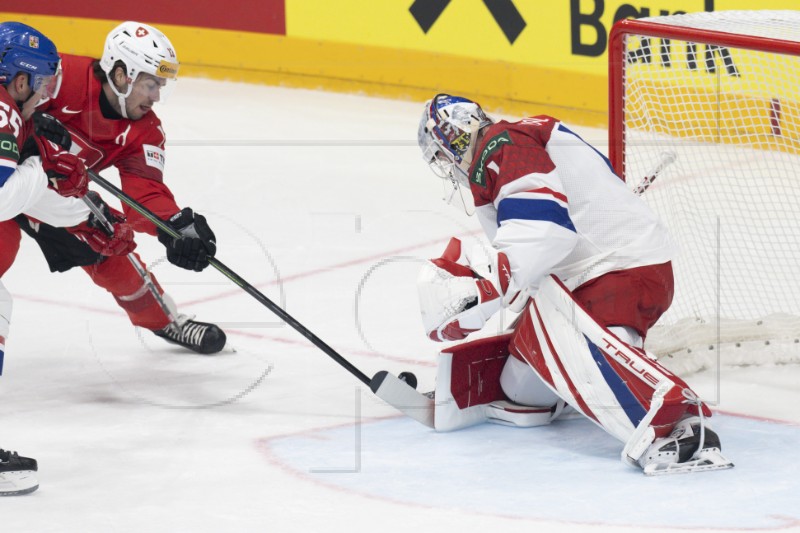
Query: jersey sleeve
[(142, 177), (534, 228), (22, 188), (9, 155), (153, 195), (13, 131), (59, 211), (26, 191)]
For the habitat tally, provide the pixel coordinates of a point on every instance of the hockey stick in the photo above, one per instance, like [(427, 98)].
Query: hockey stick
[(137, 266), (386, 386), (667, 158)]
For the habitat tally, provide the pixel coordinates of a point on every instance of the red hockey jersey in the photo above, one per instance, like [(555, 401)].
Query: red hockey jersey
[(23, 186), (552, 203), (135, 148), (13, 132)]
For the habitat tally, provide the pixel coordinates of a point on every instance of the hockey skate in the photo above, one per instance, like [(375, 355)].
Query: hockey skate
[(200, 337), (691, 447), (17, 474)]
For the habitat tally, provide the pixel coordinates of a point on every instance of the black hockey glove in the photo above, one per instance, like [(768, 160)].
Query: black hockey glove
[(197, 242), (52, 129)]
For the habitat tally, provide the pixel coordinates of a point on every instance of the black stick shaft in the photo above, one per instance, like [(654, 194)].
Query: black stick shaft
[(234, 277)]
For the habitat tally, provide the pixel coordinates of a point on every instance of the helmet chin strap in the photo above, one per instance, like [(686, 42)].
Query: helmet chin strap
[(21, 103), (121, 98)]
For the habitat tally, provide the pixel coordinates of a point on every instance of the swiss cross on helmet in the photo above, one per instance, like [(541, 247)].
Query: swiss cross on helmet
[(24, 49), (448, 133)]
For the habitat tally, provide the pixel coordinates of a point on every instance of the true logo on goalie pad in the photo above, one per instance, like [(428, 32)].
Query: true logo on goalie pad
[(635, 366)]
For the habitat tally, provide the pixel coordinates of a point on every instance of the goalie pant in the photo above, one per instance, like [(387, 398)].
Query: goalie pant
[(619, 387)]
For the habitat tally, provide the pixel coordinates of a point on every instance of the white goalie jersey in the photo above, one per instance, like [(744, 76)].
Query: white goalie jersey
[(552, 203)]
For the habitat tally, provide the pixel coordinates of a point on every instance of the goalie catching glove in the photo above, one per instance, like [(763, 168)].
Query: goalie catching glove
[(195, 246), (455, 300), (93, 232)]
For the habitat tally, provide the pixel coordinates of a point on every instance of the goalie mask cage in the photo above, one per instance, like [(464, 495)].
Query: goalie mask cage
[(710, 102)]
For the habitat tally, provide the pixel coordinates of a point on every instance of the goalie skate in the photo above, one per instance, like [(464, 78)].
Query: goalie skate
[(681, 452), (17, 474), (200, 337)]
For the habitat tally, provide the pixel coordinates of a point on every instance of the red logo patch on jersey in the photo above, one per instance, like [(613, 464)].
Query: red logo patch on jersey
[(141, 32), (91, 154)]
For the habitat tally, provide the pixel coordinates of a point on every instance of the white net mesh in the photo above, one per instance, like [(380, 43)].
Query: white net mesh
[(730, 118)]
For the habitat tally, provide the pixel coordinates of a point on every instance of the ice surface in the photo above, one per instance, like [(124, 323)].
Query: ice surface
[(322, 202)]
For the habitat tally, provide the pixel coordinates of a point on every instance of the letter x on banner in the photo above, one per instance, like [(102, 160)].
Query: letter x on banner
[(427, 12)]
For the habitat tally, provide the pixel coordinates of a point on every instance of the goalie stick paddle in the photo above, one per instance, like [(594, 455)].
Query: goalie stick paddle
[(386, 386)]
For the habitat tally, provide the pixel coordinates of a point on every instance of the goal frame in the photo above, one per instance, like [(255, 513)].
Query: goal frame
[(772, 337), (617, 63)]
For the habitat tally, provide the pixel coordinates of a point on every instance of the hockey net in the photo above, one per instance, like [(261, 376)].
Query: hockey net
[(710, 102)]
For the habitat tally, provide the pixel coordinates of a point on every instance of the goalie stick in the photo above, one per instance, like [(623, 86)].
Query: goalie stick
[(667, 158), (391, 389)]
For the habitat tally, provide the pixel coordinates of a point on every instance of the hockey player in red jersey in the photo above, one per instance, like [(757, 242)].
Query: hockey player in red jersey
[(107, 106), (588, 265), (34, 174)]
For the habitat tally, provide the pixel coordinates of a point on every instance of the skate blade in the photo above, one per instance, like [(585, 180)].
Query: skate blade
[(18, 482), (707, 460)]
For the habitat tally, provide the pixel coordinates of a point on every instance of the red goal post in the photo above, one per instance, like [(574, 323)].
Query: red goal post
[(617, 52), (711, 103)]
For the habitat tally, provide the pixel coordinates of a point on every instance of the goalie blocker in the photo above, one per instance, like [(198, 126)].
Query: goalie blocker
[(617, 386)]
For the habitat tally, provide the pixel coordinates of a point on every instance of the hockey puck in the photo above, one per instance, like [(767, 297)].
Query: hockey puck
[(409, 378)]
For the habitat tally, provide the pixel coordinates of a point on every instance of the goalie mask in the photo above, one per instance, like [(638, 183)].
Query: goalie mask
[(448, 133)]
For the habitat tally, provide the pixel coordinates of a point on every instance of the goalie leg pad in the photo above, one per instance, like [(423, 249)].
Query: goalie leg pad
[(610, 382), (468, 390)]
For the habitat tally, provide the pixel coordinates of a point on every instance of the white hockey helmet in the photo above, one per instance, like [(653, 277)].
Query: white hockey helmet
[(142, 49), (448, 133)]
